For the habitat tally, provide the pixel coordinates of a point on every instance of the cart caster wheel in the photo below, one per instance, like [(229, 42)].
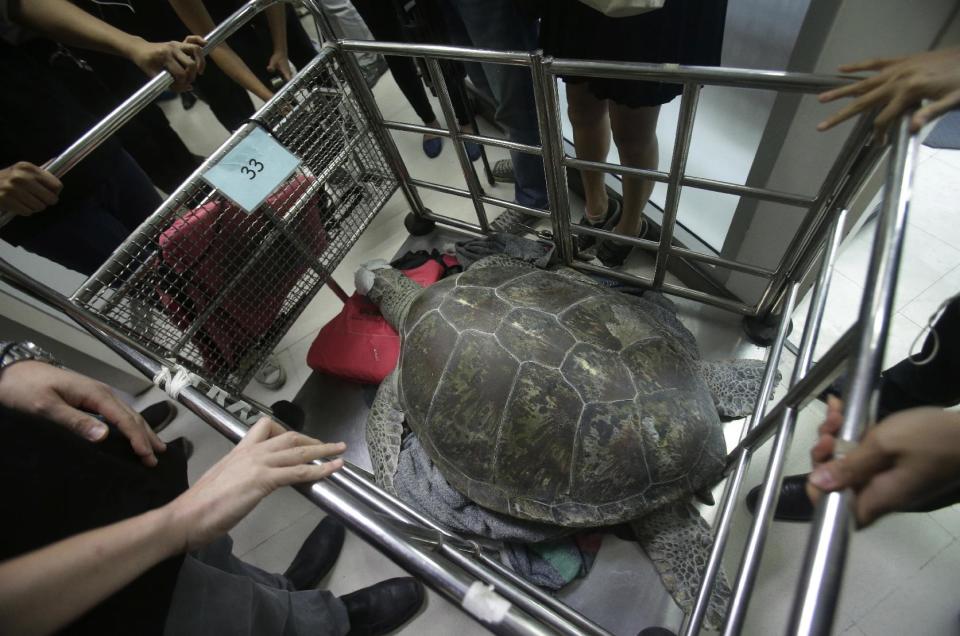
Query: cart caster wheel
[(763, 331), (417, 225)]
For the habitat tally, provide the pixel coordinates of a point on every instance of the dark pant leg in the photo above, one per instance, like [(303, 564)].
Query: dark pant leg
[(229, 101), (208, 601), (935, 383), (382, 21), (82, 234)]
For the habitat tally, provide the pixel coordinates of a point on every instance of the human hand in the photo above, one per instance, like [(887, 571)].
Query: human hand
[(68, 398), (184, 60), (910, 456), (26, 189), (268, 458), (900, 83), (280, 65)]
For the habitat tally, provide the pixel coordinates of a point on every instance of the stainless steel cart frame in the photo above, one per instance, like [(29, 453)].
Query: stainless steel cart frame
[(363, 168)]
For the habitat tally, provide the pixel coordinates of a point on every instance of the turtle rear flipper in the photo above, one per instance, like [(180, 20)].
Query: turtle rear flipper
[(734, 384), (678, 540), (384, 432)]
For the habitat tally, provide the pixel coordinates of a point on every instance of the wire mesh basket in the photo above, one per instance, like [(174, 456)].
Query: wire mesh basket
[(214, 287)]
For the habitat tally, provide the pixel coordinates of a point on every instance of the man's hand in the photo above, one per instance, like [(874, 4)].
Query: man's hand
[(268, 458), (280, 65), (909, 457), (184, 60), (26, 189), (68, 398), (900, 84)]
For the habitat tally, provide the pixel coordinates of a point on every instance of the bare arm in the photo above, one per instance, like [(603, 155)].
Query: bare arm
[(81, 571), (197, 19), (277, 21), (69, 24)]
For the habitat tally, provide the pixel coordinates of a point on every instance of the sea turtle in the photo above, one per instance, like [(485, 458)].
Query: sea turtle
[(545, 396)]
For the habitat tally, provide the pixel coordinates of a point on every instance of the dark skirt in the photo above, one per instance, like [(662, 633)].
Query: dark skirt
[(686, 32)]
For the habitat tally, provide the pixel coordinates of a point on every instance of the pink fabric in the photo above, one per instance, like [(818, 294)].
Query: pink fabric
[(209, 245)]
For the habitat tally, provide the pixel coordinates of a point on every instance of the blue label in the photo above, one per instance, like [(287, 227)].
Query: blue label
[(252, 170)]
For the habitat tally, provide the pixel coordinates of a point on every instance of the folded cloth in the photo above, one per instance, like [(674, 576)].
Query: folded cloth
[(554, 564), (539, 253)]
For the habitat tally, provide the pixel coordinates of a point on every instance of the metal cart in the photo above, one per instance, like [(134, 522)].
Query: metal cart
[(202, 292)]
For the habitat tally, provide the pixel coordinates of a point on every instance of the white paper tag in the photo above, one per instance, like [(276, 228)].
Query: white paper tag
[(253, 169), (483, 602)]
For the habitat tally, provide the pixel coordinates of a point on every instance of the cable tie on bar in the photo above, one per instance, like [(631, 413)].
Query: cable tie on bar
[(173, 384), (482, 601)]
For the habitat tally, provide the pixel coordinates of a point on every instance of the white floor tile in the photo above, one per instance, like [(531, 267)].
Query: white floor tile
[(936, 191)]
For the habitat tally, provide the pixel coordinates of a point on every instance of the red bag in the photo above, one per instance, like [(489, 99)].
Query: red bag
[(201, 252), (359, 344)]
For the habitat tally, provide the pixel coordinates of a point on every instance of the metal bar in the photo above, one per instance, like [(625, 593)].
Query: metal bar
[(681, 148), (836, 188), (449, 580), (480, 139), (434, 51), (710, 75), (731, 490), (613, 168), (721, 262), (770, 492), (551, 136), (387, 144), (762, 194), (822, 574), (469, 174), (460, 192)]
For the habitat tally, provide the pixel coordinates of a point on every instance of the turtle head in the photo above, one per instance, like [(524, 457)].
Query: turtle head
[(388, 288)]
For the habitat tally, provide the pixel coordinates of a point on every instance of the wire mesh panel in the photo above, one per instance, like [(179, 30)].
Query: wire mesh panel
[(215, 287)]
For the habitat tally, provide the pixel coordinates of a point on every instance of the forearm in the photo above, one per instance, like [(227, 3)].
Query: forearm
[(277, 22), (45, 590), (69, 24), (197, 19)]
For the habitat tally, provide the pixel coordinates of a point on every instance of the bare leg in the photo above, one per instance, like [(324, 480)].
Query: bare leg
[(591, 137), (635, 134)]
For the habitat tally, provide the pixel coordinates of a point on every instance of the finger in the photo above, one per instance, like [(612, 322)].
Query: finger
[(14, 206), (46, 178), (305, 454), (289, 439), (933, 110), (178, 72), (40, 190), (158, 445), (29, 201), (285, 72), (80, 423), (822, 450), (102, 400), (883, 494), (264, 429), (853, 470), (892, 110), (854, 88), (855, 107), (305, 473), (873, 64)]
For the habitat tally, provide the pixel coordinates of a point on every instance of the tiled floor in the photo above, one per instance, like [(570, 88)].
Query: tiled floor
[(900, 578)]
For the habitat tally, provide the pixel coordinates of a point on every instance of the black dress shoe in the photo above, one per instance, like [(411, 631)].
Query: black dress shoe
[(159, 415), (290, 414), (656, 631), (383, 607), (317, 555), (793, 504)]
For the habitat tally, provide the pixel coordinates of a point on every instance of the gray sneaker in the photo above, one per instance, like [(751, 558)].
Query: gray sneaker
[(503, 171), (514, 222), (373, 72), (271, 375)]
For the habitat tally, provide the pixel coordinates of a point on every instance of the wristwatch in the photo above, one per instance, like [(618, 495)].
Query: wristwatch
[(12, 352)]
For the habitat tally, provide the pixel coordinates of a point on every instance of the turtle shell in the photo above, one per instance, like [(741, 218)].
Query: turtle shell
[(551, 399)]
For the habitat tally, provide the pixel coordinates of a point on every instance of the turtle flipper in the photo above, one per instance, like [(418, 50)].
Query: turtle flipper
[(387, 288), (734, 384), (384, 430), (677, 539)]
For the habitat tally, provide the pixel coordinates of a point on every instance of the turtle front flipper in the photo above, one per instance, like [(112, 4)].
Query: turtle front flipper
[(387, 288), (678, 540), (734, 384), (384, 431)]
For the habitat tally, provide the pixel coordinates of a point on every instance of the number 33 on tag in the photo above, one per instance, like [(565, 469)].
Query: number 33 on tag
[(252, 170)]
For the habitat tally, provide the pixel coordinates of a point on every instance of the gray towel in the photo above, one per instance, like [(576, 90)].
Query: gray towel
[(539, 253)]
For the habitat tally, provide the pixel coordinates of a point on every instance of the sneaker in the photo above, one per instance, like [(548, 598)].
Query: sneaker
[(614, 254), (432, 146), (159, 415), (317, 555), (503, 171), (382, 608), (373, 72), (289, 413), (608, 222), (514, 222), (271, 375), (473, 150)]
